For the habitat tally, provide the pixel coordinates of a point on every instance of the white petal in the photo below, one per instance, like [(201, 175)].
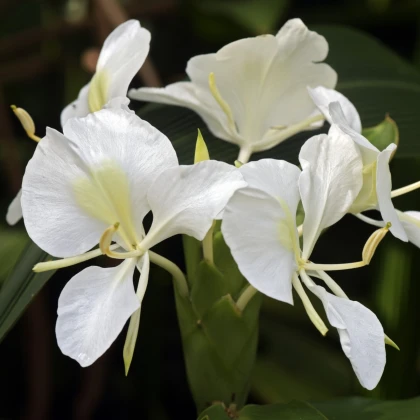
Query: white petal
[(275, 177), (367, 149), (122, 55), (78, 108), (330, 181), (187, 199), (270, 71), (361, 335), (383, 191), (411, 223), (52, 217), (113, 141), (261, 241), (14, 212), (185, 94), (92, 310), (323, 97)]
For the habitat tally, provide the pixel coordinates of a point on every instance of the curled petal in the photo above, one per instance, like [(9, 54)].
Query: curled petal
[(92, 310), (368, 151), (322, 97), (122, 55), (361, 335)]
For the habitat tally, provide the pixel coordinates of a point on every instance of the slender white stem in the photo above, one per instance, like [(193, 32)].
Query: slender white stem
[(67, 262), (405, 190), (310, 310), (373, 222), (334, 267), (173, 269), (244, 154), (246, 297)]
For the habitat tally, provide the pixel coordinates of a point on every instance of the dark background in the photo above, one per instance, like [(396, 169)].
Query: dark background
[(46, 53)]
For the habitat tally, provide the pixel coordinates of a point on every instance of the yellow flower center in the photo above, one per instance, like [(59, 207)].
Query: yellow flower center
[(98, 91), (105, 195)]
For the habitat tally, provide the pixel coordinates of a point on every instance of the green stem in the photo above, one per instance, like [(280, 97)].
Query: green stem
[(245, 297), (173, 269)]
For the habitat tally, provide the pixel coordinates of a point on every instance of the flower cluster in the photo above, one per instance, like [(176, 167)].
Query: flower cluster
[(94, 183)]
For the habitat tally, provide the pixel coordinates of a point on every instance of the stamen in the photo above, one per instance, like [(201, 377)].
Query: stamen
[(331, 267), (67, 262), (405, 190), (105, 243), (373, 242), (27, 122), (310, 310), (222, 103), (238, 164)]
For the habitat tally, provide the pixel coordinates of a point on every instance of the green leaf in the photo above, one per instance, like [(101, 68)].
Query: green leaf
[(219, 340), (209, 286), (294, 410), (11, 245), (291, 411), (342, 409), (21, 287), (383, 134), (369, 409)]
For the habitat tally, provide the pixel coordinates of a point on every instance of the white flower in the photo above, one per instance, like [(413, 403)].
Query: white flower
[(121, 57), (95, 184), (377, 191), (252, 92), (259, 226)]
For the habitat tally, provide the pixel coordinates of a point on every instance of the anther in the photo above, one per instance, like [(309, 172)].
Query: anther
[(26, 121), (373, 242), (105, 243)]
